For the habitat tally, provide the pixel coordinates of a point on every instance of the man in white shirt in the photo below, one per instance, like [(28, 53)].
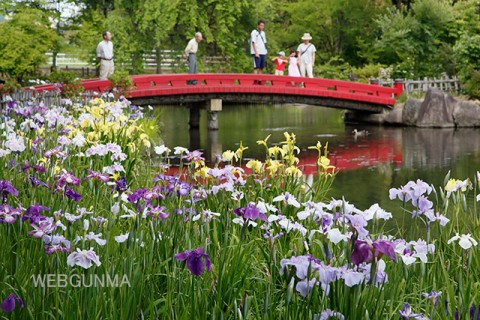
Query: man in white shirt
[(306, 55), (191, 52), (258, 48), (105, 55)]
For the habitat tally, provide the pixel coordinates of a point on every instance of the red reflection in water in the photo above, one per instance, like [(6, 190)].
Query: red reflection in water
[(351, 156), (368, 153)]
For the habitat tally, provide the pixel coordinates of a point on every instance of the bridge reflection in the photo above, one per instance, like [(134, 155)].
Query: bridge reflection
[(398, 147)]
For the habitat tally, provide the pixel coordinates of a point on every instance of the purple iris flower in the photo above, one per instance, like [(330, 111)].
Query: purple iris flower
[(37, 182), (8, 214), (33, 213), (423, 205), (183, 189), (67, 178), (194, 156), (411, 191), (9, 304), (43, 228), (55, 248), (38, 168), (97, 175), (386, 248), (327, 314), (83, 258), (7, 188), (137, 195), (305, 287), (250, 212), (121, 184), (433, 296), (164, 177), (69, 192), (362, 252), (301, 264), (195, 260), (159, 212), (406, 312), (359, 223)]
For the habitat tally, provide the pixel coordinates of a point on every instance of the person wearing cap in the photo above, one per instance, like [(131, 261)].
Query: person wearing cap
[(306, 56), (105, 55), (191, 52), (280, 63)]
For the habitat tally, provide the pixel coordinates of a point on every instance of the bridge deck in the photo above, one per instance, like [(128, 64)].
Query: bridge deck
[(176, 86)]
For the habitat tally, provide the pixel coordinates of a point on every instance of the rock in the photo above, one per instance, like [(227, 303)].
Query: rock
[(410, 112), (467, 114), (436, 110), (395, 116)]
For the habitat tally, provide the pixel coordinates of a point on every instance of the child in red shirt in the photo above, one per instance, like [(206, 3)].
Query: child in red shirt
[(280, 63)]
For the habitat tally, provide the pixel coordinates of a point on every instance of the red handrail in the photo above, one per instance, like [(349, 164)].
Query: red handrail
[(179, 84)]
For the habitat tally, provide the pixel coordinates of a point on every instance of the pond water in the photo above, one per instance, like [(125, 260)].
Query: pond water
[(368, 165)]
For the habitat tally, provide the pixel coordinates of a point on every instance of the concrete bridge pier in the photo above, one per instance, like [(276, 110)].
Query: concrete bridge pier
[(213, 107), (194, 119)]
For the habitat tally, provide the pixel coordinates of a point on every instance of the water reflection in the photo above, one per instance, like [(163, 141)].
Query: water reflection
[(369, 165), (438, 147)]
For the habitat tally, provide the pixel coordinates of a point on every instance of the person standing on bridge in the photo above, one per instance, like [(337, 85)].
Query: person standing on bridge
[(191, 53), (306, 55), (105, 55), (258, 48)]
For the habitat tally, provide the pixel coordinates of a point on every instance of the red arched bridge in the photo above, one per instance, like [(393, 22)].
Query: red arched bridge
[(161, 89), (209, 91)]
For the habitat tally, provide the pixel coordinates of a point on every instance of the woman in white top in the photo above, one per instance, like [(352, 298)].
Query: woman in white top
[(293, 65), (306, 55)]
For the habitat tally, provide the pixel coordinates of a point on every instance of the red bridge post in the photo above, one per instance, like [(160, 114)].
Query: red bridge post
[(398, 85)]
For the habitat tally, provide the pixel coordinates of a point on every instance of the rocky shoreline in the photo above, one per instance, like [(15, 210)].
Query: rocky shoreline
[(437, 110)]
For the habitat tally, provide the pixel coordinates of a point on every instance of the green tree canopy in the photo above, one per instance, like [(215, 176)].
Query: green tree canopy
[(25, 37)]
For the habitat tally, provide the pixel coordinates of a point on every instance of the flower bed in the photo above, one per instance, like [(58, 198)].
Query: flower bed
[(93, 224)]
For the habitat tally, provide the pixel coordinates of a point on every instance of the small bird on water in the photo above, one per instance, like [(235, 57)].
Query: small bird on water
[(361, 133)]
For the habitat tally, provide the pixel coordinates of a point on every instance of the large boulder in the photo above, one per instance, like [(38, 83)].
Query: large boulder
[(394, 117), (467, 114), (410, 111), (436, 110)]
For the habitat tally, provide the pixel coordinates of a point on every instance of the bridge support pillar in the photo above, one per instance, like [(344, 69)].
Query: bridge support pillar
[(194, 120), (213, 107), (212, 120)]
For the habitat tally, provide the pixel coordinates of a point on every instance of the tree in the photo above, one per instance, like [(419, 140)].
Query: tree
[(24, 39), (339, 27), (156, 18), (417, 39)]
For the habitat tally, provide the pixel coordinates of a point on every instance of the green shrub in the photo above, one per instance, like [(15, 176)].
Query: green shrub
[(335, 68), (71, 85), (471, 82), (122, 83)]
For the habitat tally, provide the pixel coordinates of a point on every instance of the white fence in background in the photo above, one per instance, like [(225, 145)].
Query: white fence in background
[(444, 83), (171, 61)]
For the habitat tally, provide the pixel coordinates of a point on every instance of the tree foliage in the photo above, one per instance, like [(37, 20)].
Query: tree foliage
[(25, 37), (416, 38)]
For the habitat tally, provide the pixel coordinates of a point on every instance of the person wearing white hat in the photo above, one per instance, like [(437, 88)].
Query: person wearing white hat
[(306, 56)]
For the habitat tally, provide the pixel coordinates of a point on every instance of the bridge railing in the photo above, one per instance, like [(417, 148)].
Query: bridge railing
[(151, 85), (187, 84)]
